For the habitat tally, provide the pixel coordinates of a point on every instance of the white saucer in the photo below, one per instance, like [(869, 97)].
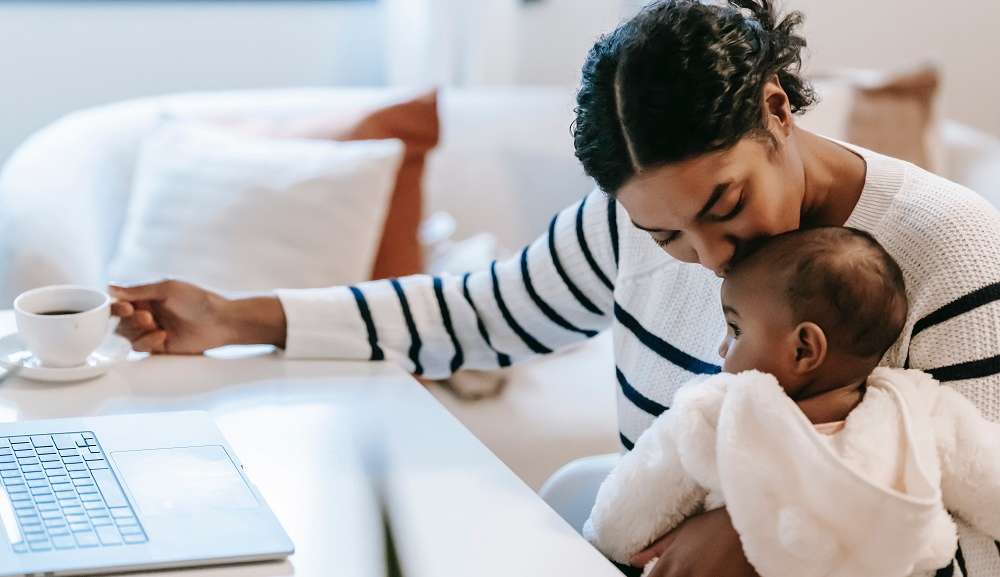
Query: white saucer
[(112, 351)]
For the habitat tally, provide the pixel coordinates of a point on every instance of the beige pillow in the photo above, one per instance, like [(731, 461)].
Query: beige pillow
[(893, 113)]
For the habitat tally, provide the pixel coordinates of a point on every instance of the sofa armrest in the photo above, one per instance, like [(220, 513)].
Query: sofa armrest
[(64, 194), (972, 159)]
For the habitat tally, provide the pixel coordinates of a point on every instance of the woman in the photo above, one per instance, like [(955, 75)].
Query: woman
[(685, 120)]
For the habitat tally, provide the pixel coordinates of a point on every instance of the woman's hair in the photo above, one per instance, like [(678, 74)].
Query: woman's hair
[(681, 79)]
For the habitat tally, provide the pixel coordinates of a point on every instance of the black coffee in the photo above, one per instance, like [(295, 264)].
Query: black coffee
[(55, 313)]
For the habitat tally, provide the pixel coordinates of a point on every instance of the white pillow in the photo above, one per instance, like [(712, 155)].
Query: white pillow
[(244, 213)]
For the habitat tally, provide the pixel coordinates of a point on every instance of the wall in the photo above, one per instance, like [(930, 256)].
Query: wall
[(58, 57), (960, 35)]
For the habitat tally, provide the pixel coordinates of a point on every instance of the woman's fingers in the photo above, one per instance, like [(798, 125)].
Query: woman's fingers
[(123, 309), (643, 557), (137, 325), (154, 342)]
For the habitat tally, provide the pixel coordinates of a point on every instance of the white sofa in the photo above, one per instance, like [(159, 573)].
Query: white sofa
[(505, 164)]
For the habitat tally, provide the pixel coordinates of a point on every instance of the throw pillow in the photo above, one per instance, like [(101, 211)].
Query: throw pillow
[(239, 213)]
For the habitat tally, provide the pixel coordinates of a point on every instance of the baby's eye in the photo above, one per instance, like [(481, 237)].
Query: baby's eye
[(735, 330)]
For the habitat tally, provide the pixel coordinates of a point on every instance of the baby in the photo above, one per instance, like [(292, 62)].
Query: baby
[(828, 465)]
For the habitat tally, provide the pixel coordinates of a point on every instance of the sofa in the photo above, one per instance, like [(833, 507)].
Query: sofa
[(504, 165)]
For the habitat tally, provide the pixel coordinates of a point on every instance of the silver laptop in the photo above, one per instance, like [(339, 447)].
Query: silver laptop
[(129, 492)]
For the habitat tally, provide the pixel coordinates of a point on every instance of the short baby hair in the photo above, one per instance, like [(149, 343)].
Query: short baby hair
[(843, 280)]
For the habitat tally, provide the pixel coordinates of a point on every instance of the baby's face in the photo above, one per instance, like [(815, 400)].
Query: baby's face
[(760, 329)]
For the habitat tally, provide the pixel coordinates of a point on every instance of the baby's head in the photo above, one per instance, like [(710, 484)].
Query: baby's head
[(817, 308)]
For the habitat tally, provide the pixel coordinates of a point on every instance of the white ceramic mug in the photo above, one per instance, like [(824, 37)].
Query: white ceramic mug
[(67, 339)]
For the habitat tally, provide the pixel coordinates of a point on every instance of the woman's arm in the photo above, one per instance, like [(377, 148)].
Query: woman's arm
[(555, 292)]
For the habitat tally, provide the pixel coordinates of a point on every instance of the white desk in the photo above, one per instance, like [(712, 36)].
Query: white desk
[(298, 427)]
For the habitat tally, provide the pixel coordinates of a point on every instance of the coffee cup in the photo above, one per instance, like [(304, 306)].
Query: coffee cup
[(62, 325)]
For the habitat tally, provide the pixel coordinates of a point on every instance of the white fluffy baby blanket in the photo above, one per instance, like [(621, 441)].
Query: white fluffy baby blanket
[(868, 501)]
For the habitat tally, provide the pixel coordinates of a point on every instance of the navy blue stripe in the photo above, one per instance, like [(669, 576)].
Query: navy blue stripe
[(366, 316), (577, 294), (582, 239), (613, 226), (629, 445), (459, 357), (663, 348), (968, 370), (961, 305), (529, 340), (502, 359), (960, 558), (415, 342), (637, 398), (948, 571), (545, 308)]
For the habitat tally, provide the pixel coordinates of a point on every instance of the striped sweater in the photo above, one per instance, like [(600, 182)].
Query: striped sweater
[(594, 270)]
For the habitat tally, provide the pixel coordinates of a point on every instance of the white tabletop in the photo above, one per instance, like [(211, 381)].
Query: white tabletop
[(300, 427)]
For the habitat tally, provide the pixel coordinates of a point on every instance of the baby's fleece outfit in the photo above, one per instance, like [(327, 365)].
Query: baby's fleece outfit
[(871, 500)]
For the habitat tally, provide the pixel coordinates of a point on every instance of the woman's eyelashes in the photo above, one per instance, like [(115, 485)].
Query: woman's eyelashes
[(730, 214)]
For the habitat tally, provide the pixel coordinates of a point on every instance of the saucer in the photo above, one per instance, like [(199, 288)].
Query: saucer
[(112, 351)]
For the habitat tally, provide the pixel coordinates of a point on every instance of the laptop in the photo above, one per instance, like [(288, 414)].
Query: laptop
[(130, 492)]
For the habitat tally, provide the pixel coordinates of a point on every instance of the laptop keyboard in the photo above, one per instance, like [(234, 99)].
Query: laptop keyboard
[(60, 493)]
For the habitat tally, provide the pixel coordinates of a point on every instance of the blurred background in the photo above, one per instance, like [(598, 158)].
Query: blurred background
[(58, 56)]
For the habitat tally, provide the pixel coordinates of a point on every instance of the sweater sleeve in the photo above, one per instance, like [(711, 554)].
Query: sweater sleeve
[(969, 448), (555, 292)]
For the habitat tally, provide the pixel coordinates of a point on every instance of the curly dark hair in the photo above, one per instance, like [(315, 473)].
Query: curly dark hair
[(682, 79)]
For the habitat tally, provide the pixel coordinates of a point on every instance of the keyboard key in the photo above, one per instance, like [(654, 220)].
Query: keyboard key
[(134, 538), (40, 546), (65, 495), (22, 447), (48, 507), (130, 530), (58, 479), (48, 459), (63, 541), (102, 464), (6, 459), (78, 474), (88, 456), (76, 517), (75, 467), (69, 453), (90, 505), (90, 497), (101, 521), (126, 522), (87, 539), (67, 486), (19, 439), (121, 512), (31, 460), (34, 476), (85, 488), (66, 441), (10, 473), (45, 499), (50, 523), (24, 453), (73, 510), (43, 490), (46, 451), (79, 527), (113, 495), (51, 515), (32, 530), (20, 547), (108, 535), (41, 440), (72, 459), (64, 530), (57, 464), (36, 483), (31, 469)]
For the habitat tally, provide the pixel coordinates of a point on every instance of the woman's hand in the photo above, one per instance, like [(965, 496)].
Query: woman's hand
[(181, 318), (706, 545)]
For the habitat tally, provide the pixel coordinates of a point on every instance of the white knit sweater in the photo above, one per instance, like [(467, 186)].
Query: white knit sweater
[(594, 270)]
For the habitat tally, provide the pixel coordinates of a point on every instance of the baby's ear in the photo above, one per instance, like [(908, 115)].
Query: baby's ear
[(810, 347)]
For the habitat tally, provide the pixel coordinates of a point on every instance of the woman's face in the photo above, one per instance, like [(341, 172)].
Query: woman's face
[(708, 209)]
